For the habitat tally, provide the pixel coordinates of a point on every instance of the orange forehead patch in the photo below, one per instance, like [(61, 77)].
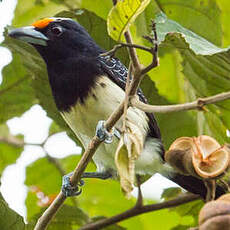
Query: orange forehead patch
[(40, 24)]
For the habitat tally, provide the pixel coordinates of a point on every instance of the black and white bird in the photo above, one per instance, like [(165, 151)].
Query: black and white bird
[(87, 88)]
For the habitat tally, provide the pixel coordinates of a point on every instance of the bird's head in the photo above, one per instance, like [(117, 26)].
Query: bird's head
[(57, 38)]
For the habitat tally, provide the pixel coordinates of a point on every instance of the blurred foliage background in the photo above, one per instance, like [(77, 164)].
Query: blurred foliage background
[(193, 63)]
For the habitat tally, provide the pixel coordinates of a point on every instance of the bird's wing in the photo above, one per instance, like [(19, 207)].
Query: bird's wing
[(117, 72)]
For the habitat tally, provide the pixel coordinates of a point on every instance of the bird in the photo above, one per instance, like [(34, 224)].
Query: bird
[(87, 87)]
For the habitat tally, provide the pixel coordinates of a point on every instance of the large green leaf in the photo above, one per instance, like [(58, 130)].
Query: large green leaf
[(9, 219), (16, 94), (205, 66), (225, 11), (122, 15), (196, 15), (172, 125)]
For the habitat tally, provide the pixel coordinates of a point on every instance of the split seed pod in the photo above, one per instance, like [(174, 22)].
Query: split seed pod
[(215, 215), (179, 156), (202, 156)]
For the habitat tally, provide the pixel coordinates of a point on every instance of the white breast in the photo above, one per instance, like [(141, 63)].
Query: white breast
[(104, 98)]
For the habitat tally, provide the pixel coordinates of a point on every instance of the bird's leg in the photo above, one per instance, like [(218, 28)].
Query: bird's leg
[(69, 190), (104, 135)]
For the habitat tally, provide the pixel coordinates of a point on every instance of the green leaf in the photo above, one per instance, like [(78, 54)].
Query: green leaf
[(70, 215), (189, 209), (9, 153), (16, 94), (206, 68), (197, 44), (47, 179), (196, 15), (225, 11), (54, 128), (9, 219), (96, 7), (122, 15), (27, 12), (170, 193), (67, 217), (168, 123)]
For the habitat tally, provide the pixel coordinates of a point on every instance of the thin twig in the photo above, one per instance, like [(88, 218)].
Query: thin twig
[(154, 51), (198, 104), (138, 210), (113, 51), (11, 140), (126, 102), (132, 52)]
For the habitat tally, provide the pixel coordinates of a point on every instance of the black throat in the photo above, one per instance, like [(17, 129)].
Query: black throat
[(72, 79)]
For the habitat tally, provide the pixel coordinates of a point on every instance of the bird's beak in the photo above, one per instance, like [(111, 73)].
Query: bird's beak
[(29, 34)]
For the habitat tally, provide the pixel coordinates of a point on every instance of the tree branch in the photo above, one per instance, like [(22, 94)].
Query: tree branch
[(138, 210), (12, 140), (198, 104)]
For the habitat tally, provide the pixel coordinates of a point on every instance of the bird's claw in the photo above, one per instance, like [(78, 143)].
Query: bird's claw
[(103, 134), (68, 189)]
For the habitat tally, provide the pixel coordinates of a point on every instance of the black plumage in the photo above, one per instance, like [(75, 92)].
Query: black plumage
[(76, 72)]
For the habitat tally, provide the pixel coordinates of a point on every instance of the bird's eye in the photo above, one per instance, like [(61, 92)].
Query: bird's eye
[(57, 31)]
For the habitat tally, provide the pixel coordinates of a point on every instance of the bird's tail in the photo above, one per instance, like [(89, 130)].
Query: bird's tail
[(194, 185)]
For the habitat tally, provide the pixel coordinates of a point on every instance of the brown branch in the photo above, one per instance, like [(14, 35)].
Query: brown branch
[(138, 210), (132, 52), (198, 104), (154, 50)]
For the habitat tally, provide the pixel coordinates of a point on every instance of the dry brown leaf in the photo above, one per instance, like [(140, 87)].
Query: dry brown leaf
[(128, 150)]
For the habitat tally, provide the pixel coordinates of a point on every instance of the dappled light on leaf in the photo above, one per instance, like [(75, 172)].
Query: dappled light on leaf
[(122, 15)]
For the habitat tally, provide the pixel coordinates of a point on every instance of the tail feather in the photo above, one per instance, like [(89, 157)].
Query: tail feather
[(194, 185)]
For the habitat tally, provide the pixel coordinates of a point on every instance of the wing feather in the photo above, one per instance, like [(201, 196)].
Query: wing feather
[(118, 72)]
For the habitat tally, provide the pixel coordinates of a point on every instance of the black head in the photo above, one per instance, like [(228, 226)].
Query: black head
[(58, 38)]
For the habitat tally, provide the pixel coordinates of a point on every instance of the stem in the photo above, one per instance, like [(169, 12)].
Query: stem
[(198, 104)]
